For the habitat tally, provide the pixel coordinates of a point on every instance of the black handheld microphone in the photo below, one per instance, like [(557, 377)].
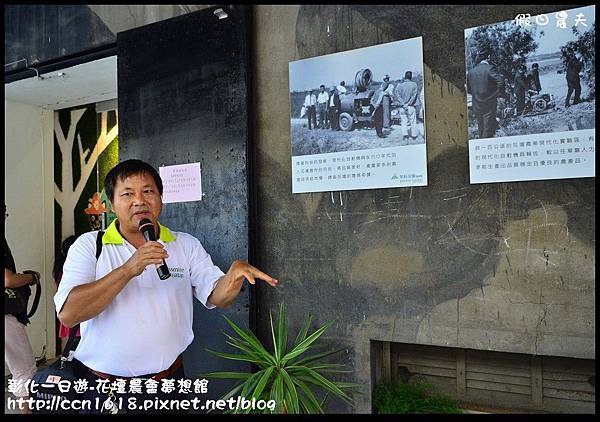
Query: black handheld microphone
[(147, 229)]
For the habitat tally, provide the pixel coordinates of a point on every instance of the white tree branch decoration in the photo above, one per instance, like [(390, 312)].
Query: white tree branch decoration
[(69, 195)]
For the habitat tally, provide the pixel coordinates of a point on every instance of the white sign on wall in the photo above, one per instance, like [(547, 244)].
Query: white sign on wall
[(181, 183), (531, 110), (358, 119), (540, 156)]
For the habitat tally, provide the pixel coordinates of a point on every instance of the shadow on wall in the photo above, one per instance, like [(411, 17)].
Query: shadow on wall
[(365, 258), (423, 245), (416, 246), (328, 29)]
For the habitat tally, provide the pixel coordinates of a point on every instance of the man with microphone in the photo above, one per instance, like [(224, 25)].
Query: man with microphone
[(135, 302)]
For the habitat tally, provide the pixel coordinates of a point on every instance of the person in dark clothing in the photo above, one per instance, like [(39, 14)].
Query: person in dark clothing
[(521, 87), (334, 109), (535, 77), (310, 103), (574, 66), (387, 104), (485, 85), (18, 354), (377, 103)]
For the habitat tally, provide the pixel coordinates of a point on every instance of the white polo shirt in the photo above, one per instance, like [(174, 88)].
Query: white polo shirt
[(149, 323)]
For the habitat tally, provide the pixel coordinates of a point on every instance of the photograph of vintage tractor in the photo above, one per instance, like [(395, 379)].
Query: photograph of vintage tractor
[(356, 109), (534, 104), (356, 122), (332, 96), (558, 70)]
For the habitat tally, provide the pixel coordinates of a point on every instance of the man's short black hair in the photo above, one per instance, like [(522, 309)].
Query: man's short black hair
[(482, 54), (129, 168), (408, 75), (322, 86), (535, 65)]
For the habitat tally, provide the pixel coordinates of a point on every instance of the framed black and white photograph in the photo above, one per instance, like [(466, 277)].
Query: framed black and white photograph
[(358, 119), (531, 105)]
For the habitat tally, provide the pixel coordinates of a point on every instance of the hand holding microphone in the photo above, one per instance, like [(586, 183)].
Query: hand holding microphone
[(147, 229)]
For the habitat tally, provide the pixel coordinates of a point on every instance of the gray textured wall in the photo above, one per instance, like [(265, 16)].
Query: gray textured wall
[(449, 264), (506, 267)]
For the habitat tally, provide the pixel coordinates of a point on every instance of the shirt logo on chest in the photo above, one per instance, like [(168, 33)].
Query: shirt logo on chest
[(176, 272)]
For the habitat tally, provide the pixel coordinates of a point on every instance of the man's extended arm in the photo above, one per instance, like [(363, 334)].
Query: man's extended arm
[(229, 285), (88, 300)]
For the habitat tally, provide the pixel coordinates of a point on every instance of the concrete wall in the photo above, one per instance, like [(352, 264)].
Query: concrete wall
[(30, 204), (506, 267)]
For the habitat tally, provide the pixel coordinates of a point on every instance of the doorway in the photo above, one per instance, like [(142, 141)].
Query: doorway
[(30, 106)]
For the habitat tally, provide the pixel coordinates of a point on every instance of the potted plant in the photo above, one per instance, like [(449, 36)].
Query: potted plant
[(285, 375)]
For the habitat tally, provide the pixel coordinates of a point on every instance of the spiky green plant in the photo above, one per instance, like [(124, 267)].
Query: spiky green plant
[(286, 375)]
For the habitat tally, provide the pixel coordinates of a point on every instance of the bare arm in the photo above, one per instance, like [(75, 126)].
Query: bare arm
[(14, 280), (228, 287), (88, 300)]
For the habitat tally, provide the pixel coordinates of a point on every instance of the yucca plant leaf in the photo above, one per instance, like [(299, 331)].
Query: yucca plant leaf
[(304, 345), (281, 331), (313, 358), (325, 397), (277, 393), (333, 371), (242, 344), (303, 331), (313, 404), (261, 362), (244, 350), (348, 385), (292, 393), (244, 347), (314, 377), (332, 368), (227, 375), (304, 407), (302, 370), (251, 383), (250, 338), (288, 401), (234, 390), (232, 356), (325, 366), (275, 348), (229, 394), (296, 370), (262, 382)]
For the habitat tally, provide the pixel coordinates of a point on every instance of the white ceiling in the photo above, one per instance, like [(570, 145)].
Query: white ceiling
[(82, 84)]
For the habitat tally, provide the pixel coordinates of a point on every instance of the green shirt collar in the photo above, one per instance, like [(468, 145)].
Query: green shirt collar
[(112, 235)]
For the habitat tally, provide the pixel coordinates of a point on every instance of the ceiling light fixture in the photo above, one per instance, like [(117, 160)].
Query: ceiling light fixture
[(220, 13)]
